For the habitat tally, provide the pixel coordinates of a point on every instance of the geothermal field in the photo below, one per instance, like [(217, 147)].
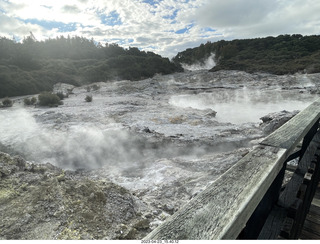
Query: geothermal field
[(162, 140)]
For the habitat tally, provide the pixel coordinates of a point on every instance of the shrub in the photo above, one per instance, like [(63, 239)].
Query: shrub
[(95, 87), (60, 95), (49, 99), (33, 100), (7, 102), (30, 101), (88, 98), (27, 101)]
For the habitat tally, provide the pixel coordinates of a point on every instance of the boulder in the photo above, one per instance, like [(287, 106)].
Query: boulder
[(273, 121)]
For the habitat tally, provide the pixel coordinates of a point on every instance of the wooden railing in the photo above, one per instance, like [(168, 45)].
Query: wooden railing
[(238, 204)]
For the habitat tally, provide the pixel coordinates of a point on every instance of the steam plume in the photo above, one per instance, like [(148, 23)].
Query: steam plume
[(208, 64)]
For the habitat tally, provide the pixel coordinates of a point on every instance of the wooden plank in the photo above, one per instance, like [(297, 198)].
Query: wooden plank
[(274, 222), (222, 209), (314, 219), (306, 235), (292, 132), (316, 202), (314, 210), (311, 227)]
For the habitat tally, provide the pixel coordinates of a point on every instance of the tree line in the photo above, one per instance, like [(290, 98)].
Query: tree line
[(283, 54), (31, 66)]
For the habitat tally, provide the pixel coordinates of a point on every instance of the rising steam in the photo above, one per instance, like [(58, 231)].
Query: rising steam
[(242, 105), (207, 64), (83, 145), (80, 146)]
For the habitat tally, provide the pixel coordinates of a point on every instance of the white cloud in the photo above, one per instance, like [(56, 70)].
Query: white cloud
[(254, 18), (154, 27), (232, 13), (13, 27)]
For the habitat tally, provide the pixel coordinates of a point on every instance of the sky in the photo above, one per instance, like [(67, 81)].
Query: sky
[(165, 27)]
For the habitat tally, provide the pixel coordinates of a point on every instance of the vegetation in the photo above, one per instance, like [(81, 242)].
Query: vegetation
[(30, 101), (49, 99), (7, 102), (33, 66), (277, 55), (88, 99), (61, 95)]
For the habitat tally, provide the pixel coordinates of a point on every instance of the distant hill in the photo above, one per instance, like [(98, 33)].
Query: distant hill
[(283, 54), (32, 66)]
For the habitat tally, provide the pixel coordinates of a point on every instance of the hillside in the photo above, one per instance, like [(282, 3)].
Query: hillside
[(284, 54), (32, 66)]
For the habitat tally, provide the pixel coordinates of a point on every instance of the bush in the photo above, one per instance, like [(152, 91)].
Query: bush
[(33, 100), (60, 95), (88, 98), (30, 101), (95, 87), (7, 102), (49, 99)]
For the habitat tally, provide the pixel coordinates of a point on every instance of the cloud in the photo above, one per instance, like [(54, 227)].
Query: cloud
[(14, 27), (71, 9), (163, 26), (254, 18), (233, 13)]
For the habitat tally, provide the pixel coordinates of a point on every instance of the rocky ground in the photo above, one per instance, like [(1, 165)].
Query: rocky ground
[(117, 167), (40, 201)]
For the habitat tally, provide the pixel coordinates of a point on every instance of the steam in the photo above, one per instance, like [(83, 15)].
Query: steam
[(242, 106), (306, 82), (208, 64), (79, 146), (85, 145)]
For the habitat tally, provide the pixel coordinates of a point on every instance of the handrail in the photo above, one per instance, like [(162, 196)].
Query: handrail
[(223, 209)]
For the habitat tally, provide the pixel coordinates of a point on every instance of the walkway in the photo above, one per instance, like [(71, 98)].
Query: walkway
[(311, 227)]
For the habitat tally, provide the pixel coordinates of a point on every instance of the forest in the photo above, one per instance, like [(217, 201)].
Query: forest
[(31, 66), (284, 54)]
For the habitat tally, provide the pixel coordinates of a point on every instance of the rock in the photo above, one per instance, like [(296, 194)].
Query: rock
[(210, 112), (142, 224), (148, 215), (168, 208), (147, 130), (273, 121), (131, 234), (61, 177), (20, 162), (62, 205)]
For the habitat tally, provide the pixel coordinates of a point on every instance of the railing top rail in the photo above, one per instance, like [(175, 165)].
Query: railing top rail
[(291, 133), (222, 209)]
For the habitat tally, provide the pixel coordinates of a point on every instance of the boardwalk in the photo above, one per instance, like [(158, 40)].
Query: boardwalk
[(311, 227)]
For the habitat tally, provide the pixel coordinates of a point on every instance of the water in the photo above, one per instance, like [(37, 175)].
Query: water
[(244, 105)]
